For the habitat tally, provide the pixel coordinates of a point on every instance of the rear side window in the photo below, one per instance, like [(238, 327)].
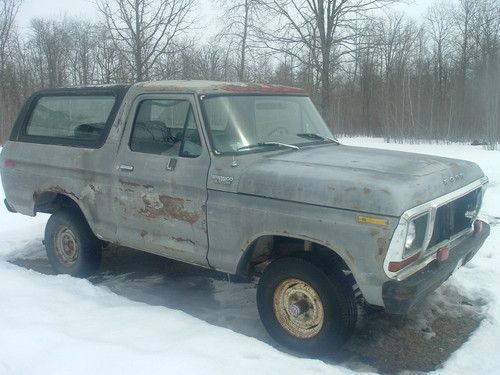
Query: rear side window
[(72, 118)]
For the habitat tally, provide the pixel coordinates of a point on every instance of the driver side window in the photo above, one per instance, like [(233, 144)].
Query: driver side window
[(165, 127)]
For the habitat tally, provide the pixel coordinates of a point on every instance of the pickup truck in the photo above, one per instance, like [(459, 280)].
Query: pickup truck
[(246, 179)]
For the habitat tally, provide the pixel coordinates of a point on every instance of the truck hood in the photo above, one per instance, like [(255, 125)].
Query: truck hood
[(355, 178)]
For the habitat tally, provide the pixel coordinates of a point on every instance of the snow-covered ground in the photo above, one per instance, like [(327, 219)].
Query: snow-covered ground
[(62, 325)]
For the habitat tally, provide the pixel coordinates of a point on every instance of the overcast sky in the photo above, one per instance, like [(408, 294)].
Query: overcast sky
[(87, 9), (76, 8)]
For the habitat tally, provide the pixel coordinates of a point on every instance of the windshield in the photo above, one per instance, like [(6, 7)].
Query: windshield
[(240, 123)]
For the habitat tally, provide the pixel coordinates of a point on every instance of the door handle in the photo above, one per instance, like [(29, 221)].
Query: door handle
[(129, 168), (171, 164)]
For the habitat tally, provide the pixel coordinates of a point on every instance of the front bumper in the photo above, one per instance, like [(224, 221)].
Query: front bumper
[(401, 296)]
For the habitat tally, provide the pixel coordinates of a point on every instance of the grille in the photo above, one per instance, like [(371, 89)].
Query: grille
[(452, 219)]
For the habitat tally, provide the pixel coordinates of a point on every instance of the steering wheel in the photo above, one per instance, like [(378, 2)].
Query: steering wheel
[(279, 131)]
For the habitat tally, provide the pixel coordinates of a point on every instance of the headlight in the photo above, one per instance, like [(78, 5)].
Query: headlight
[(415, 235), (411, 234)]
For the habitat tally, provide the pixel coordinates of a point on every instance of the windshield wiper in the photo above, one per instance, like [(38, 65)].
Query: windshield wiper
[(267, 144), (317, 136)]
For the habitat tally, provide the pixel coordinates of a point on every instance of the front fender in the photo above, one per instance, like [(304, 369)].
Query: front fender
[(235, 221)]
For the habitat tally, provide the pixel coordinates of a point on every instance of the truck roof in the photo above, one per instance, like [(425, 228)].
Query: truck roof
[(189, 86), (214, 87)]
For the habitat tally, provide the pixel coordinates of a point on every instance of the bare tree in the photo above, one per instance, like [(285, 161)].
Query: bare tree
[(373, 73), (83, 48), (8, 13), (324, 30), (439, 24), (242, 19), (51, 41), (464, 18), (440, 28), (209, 61), (143, 30), (485, 32)]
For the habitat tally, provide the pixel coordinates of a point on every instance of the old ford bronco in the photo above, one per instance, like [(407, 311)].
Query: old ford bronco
[(245, 179)]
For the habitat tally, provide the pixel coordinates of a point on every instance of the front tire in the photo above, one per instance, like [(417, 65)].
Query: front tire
[(306, 308), (71, 246)]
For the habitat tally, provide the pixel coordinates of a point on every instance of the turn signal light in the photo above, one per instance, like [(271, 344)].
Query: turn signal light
[(372, 220), (9, 163), (396, 266), (442, 254)]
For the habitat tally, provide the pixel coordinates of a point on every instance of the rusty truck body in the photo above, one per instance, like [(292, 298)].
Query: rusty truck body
[(245, 179)]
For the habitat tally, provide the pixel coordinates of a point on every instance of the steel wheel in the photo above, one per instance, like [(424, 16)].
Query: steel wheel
[(306, 307), (71, 246), (66, 246), (298, 308)]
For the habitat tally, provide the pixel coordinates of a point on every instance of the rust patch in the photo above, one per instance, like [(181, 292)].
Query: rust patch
[(218, 86), (134, 184), (367, 190), (374, 232), (143, 233), (128, 183), (255, 87), (60, 190), (352, 188), (386, 191), (180, 239), (168, 207), (173, 249), (382, 246), (204, 217), (118, 201), (300, 189), (247, 243)]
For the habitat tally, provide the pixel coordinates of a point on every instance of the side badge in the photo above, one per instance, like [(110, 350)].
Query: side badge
[(222, 180)]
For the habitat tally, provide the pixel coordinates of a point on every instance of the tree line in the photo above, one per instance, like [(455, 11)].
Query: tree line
[(370, 70)]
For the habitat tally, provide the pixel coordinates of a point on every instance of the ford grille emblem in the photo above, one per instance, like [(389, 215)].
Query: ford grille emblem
[(453, 179)]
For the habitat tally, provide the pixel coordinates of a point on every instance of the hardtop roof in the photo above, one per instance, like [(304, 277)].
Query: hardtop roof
[(215, 87), (179, 86), (186, 86), (83, 90)]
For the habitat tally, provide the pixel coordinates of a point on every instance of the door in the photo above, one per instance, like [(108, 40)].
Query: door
[(160, 188)]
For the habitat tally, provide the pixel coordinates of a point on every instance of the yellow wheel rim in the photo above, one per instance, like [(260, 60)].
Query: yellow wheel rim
[(298, 308)]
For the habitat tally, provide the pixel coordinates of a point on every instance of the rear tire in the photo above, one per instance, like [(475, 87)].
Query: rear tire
[(71, 246), (306, 308)]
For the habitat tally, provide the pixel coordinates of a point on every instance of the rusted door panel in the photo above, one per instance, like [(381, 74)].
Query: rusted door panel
[(160, 205)]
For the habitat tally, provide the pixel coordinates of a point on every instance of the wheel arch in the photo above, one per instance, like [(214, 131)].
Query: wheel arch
[(49, 201), (262, 248)]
